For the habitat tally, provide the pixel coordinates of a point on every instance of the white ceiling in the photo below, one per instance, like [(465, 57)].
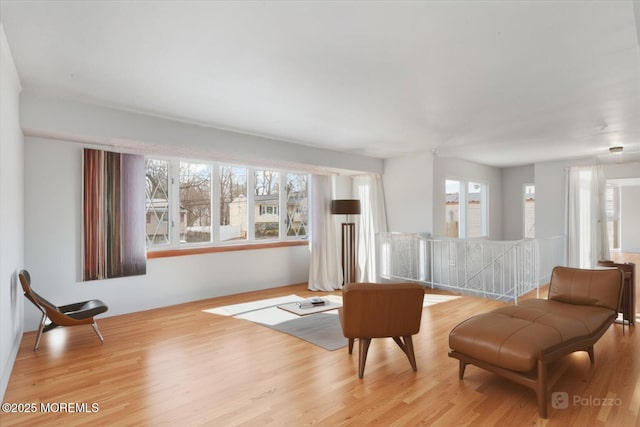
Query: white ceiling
[(497, 82)]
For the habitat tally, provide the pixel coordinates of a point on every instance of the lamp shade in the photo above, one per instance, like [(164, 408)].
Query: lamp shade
[(345, 207)]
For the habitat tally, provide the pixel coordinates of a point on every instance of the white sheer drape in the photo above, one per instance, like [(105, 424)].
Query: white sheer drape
[(587, 240), (325, 271), (373, 219)]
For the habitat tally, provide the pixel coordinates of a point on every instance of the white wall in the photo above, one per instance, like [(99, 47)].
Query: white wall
[(550, 181), (87, 123), (513, 181), (408, 191), (53, 249), (11, 214), (449, 168), (629, 214)]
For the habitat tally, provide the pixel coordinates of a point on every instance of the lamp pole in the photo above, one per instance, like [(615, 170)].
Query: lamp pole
[(347, 207)]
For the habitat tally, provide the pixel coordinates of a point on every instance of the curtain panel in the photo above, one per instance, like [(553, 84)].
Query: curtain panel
[(325, 270), (371, 221), (587, 240), (113, 215)]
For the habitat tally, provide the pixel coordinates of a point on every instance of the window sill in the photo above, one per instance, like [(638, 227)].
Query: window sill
[(230, 248)]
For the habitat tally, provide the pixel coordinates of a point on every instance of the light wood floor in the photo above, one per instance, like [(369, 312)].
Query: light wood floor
[(180, 366)]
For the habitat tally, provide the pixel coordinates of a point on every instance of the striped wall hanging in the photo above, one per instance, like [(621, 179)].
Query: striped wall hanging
[(113, 215)]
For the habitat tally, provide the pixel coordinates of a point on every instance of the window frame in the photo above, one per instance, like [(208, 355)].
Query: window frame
[(463, 199), (525, 232), (175, 244)]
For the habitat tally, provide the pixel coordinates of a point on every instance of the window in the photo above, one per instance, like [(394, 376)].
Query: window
[(217, 203), (529, 211), (613, 215), (465, 209), (475, 210), (157, 201), (297, 206), (267, 199), (233, 203), (195, 202), (452, 208)]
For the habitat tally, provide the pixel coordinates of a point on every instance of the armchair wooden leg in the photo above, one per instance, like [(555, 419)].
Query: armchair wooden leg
[(408, 344), (591, 355), (363, 346), (407, 347), (351, 340)]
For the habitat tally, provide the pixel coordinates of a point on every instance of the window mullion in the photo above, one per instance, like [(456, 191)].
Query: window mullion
[(251, 205), (175, 217), (215, 203), (462, 206), (282, 209)]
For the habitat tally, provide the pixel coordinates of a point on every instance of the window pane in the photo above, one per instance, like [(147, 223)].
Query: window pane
[(195, 202), (613, 216), (157, 201), (452, 208), (474, 210), (267, 202), (297, 206), (529, 211), (233, 203)]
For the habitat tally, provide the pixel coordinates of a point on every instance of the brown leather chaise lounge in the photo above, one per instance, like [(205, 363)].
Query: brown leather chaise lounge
[(518, 342)]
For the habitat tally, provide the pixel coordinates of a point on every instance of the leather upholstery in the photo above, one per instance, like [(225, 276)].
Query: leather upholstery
[(585, 287), (79, 313), (518, 342), (514, 337), (580, 303), (371, 310)]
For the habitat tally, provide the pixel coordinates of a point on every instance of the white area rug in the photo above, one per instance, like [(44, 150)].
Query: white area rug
[(432, 299), (322, 329)]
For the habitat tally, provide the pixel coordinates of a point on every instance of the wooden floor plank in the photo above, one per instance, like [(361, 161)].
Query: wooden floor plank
[(179, 365)]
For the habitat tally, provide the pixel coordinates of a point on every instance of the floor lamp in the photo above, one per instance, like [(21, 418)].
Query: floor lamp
[(347, 207)]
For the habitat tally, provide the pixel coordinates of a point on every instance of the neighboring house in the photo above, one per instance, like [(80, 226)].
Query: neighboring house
[(157, 223), (267, 215)]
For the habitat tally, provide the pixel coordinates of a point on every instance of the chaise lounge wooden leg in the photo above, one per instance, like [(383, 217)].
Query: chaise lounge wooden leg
[(364, 348), (461, 368), (351, 340), (541, 389), (591, 355)]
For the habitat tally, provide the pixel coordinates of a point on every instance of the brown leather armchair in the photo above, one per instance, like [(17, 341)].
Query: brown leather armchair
[(372, 310)]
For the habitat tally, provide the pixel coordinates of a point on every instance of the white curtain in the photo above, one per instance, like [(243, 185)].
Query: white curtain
[(587, 240), (325, 270), (372, 219)]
